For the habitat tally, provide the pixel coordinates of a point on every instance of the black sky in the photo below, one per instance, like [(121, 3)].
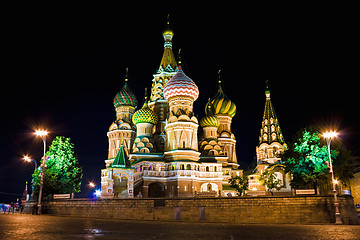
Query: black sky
[(63, 65)]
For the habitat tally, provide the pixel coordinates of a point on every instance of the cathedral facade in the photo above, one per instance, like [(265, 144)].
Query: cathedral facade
[(155, 150)]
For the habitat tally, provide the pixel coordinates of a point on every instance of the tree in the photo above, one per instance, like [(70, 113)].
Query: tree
[(268, 179), (63, 173), (241, 184), (308, 160)]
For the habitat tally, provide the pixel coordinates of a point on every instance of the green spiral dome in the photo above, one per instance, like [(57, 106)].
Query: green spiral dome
[(145, 115), (221, 104), (125, 97), (209, 121)]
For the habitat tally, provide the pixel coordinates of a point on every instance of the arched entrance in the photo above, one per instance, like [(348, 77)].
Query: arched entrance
[(156, 190), (120, 187)]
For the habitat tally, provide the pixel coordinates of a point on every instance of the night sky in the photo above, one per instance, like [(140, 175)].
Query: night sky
[(63, 65)]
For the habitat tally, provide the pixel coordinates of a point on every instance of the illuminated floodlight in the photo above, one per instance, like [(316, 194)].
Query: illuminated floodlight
[(98, 193), (41, 132), (335, 181), (27, 158), (91, 184), (330, 134)]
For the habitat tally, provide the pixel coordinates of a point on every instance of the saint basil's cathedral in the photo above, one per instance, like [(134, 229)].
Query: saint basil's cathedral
[(155, 149)]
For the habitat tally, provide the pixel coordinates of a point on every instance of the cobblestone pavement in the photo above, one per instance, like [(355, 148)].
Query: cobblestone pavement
[(16, 226)]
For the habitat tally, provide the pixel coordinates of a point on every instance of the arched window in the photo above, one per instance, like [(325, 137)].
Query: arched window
[(188, 167), (207, 169), (182, 167), (215, 169), (209, 187), (173, 167)]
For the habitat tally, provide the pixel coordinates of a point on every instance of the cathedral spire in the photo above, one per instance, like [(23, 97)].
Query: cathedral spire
[(270, 129), (168, 61)]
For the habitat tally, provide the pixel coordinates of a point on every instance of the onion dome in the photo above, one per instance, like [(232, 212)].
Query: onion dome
[(221, 104), (145, 115), (210, 121), (180, 85), (125, 96)]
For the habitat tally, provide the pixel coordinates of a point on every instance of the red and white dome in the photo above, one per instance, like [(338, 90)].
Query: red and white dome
[(180, 85)]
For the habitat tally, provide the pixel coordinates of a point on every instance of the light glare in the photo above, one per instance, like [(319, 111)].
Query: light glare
[(330, 134), (97, 192), (41, 132)]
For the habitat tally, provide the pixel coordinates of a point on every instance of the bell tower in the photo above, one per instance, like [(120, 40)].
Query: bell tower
[(157, 103), (271, 140)]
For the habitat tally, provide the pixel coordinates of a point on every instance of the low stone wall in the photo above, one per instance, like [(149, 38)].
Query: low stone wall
[(290, 210)]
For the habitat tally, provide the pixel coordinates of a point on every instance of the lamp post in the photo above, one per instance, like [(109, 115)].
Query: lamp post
[(329, 136), (28, 159), (42, 134)]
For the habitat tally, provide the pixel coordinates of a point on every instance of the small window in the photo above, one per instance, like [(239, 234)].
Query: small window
[(207, 169), (182, 167)]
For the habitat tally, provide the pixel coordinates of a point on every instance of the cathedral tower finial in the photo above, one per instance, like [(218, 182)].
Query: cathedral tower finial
[(126, 74), (219, 77), (145, 96), (179, 58), (267, 90)]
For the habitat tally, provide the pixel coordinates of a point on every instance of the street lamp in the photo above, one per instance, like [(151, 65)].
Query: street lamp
[(329, 136), (41, 133), (28, 159)]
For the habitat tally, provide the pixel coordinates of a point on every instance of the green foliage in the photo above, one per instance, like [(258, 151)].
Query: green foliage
[(241, 184), (308, 160), (62, 173), (268, 179)]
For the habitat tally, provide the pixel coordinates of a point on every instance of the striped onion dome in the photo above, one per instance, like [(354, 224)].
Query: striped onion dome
[(145, 115), (125, 97), (180, 85), (210, 121), (221, 104)]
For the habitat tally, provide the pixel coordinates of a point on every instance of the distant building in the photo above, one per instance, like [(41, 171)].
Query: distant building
[(355, 184), (155, 152), (268, 152)]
